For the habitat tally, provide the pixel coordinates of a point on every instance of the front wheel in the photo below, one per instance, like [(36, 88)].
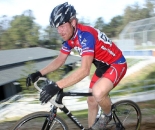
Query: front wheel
[(35, 121), (129, 114)]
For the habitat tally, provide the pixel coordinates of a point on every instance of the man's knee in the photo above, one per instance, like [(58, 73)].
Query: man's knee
[(99, 95), (101, 89), (92, 102)]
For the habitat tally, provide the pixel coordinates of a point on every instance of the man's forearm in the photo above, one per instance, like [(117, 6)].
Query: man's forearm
[(73, 78), (54, 65)]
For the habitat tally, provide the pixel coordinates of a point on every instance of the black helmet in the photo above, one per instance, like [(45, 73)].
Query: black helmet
[(62, 14)]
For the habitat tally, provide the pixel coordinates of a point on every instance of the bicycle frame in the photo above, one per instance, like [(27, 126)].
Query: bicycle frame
[(58, 100), (116, 119), (57, 103)]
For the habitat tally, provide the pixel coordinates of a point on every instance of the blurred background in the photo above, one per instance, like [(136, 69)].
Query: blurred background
[(28, 43)]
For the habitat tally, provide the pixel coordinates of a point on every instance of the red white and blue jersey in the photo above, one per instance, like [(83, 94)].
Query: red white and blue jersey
[(90, 41)]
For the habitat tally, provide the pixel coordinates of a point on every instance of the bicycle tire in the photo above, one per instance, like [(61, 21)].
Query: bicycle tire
[(129, 114), (34, 121)]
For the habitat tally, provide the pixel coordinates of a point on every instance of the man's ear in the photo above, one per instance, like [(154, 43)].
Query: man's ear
[(73, 22)]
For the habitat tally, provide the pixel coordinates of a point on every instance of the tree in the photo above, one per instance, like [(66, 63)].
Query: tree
[(115, 25), (51, 38), (135, 12), (99, 24), (23, 32), (83, 21), (150, 5), (4, 23), (111, 29)]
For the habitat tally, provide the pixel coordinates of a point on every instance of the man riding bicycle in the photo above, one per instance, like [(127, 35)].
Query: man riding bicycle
[(95, 48)]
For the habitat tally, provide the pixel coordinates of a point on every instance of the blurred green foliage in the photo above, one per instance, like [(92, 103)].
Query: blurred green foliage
[(30, 67), (21, 31)]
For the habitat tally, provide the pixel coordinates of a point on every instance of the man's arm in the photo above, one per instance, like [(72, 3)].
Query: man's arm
[(79, 74), (55, 64)]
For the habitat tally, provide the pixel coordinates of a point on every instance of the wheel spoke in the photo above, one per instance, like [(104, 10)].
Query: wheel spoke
[(35, 122), (128, 113)]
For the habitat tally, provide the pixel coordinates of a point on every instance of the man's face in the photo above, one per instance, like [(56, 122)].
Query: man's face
[(65, 31)]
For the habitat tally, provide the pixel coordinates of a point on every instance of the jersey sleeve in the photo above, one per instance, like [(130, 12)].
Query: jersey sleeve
[(88, 44), (66, 49)]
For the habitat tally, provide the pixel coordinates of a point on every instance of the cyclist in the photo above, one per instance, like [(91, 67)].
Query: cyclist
[(94, 47)]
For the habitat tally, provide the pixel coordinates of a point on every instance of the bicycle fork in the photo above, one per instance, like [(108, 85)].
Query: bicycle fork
[(49, 119)]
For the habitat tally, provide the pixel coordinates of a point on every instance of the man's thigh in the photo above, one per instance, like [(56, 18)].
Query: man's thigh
[(115, 73)]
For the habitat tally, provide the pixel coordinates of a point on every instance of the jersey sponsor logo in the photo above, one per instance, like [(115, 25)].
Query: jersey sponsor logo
[(65, 49), (102, 37), (78, 49), (84, 50), (112, 53), (83, 43)]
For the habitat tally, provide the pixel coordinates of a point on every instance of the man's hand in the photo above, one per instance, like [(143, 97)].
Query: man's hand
[(32, 78), (48, 92)]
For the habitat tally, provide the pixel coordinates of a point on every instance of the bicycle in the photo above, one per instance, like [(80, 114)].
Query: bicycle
[(126, 115)]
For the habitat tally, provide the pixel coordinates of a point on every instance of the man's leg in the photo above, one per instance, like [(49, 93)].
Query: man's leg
[(100, 96), (101, 91), (92, 109)]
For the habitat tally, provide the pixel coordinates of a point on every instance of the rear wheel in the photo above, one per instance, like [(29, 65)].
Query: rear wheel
[(128, 113), (36, 120)]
